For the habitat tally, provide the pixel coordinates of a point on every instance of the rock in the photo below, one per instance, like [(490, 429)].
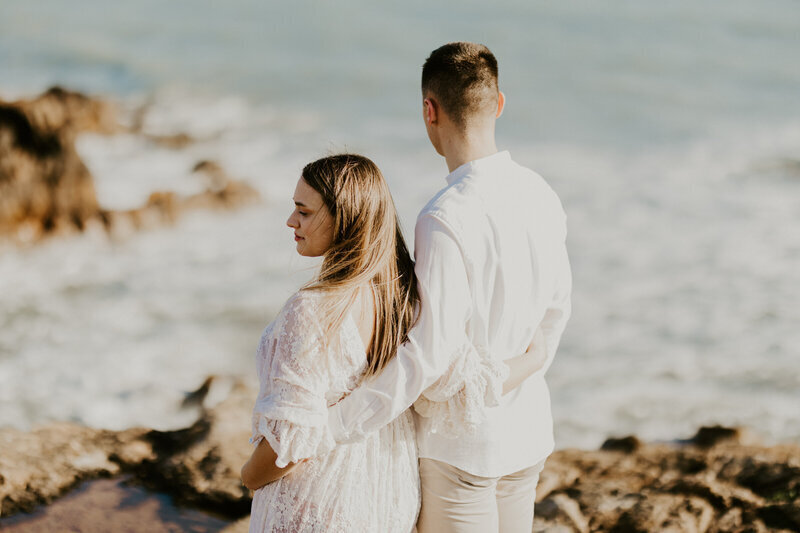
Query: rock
[(770, 480), (113, 506), (44, 186), (709, 436), (721, 495), (46, 189), (175, 141), (61, 110), (39, 466), (781, 516), (200, 466), (725, 487), (625, 444), (662, 512), (165, 207), (557, 474), (197, 397), (240, 526), (228, 195), (216, 177), (562, 510)]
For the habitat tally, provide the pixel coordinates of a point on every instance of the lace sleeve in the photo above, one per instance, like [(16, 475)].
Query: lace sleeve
[(456, 403), (291, 411)]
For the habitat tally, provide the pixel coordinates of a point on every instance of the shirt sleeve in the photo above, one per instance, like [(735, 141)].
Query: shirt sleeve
[(291, 410), (435, 343), (456, 403), (558, 312)]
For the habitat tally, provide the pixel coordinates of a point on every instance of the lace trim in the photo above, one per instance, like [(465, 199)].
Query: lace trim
[(456, 403), (292, 442)]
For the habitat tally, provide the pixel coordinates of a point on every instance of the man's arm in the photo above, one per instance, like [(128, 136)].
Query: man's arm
[(443, 313), (521, 367), (558, 313)]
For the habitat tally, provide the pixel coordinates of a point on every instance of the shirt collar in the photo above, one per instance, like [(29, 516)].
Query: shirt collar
[(483, 164)]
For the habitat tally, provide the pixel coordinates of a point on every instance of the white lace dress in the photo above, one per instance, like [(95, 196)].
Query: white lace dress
[(367, 486)]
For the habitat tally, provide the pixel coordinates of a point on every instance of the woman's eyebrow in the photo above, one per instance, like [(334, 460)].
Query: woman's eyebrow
[(299, 204)]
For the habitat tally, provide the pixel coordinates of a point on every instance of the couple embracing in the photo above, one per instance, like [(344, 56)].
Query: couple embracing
[(465, 333)]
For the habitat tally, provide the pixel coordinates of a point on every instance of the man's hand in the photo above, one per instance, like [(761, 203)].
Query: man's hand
[(522, 366)]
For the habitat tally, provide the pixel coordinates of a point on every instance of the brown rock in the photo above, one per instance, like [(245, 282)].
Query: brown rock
[(556, 475), (45, 188), (113, 506), (562, 510), (781, 516), (175, 141), (44, 185), (661, 512), (201, 465), (59, 109), (727, 487), (709, 436), (226, 195), (39, 466), (240, 526), (625, 444), (215, 176)]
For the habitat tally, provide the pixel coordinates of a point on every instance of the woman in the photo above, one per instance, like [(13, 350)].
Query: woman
[(342, 328)]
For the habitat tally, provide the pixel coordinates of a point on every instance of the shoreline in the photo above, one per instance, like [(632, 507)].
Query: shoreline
[(720, 480)]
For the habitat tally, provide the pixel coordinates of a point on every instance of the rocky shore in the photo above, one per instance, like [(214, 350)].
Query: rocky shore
[(721, 480), (46, 189)]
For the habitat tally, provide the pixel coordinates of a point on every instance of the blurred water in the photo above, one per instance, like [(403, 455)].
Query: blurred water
[(671, 132)]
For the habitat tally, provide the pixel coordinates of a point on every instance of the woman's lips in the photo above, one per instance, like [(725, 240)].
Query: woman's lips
[(296, 238)]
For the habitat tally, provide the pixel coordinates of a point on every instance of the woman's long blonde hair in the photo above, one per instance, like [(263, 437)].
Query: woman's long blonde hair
[(368, 249)]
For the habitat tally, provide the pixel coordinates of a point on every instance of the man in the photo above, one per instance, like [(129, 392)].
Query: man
[(492, 266)]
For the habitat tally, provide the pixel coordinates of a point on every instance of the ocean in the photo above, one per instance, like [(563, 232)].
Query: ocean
[(670, 130)]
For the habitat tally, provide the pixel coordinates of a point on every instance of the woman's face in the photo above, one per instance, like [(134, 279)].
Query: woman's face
[(311, 221)]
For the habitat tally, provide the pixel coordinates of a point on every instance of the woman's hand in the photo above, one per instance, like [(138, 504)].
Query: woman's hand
[(522, 366), (260, 469)]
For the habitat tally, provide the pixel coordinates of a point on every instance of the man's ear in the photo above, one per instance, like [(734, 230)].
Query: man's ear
[(429, 111), (501, 103)]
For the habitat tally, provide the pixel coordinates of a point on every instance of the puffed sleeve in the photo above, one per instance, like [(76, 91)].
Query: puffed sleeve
[(291, 410), (456, 403)]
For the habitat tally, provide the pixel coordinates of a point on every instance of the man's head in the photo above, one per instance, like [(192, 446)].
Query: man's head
[(462, 78), (459, 80)]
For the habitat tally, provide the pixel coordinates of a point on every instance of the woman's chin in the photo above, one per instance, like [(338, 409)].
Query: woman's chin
[(303, 250)]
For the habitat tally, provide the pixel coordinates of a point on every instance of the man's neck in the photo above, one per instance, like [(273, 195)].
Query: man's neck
[(472, 145)]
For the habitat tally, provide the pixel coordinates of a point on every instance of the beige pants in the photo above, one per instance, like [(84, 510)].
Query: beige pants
[(458, 502)]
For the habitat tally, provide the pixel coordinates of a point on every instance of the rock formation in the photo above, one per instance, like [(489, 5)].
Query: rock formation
[(46, 189), (44, 185), (198, 465), (719, 481)]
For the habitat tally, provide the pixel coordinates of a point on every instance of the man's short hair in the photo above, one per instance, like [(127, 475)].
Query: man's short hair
[(462, 78)]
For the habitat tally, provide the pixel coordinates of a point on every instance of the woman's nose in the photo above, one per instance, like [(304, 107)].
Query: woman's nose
[(291, 221)]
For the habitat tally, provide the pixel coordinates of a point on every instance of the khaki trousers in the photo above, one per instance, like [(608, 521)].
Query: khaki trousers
[(458, 502)]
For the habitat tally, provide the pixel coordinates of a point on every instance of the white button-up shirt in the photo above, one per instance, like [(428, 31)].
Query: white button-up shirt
[(491, 264)]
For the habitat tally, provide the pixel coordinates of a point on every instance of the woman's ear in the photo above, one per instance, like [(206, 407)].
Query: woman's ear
[(501, 103)]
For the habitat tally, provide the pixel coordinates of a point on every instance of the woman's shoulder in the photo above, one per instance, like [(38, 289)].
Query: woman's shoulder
[(300, 310), (303, 302)]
